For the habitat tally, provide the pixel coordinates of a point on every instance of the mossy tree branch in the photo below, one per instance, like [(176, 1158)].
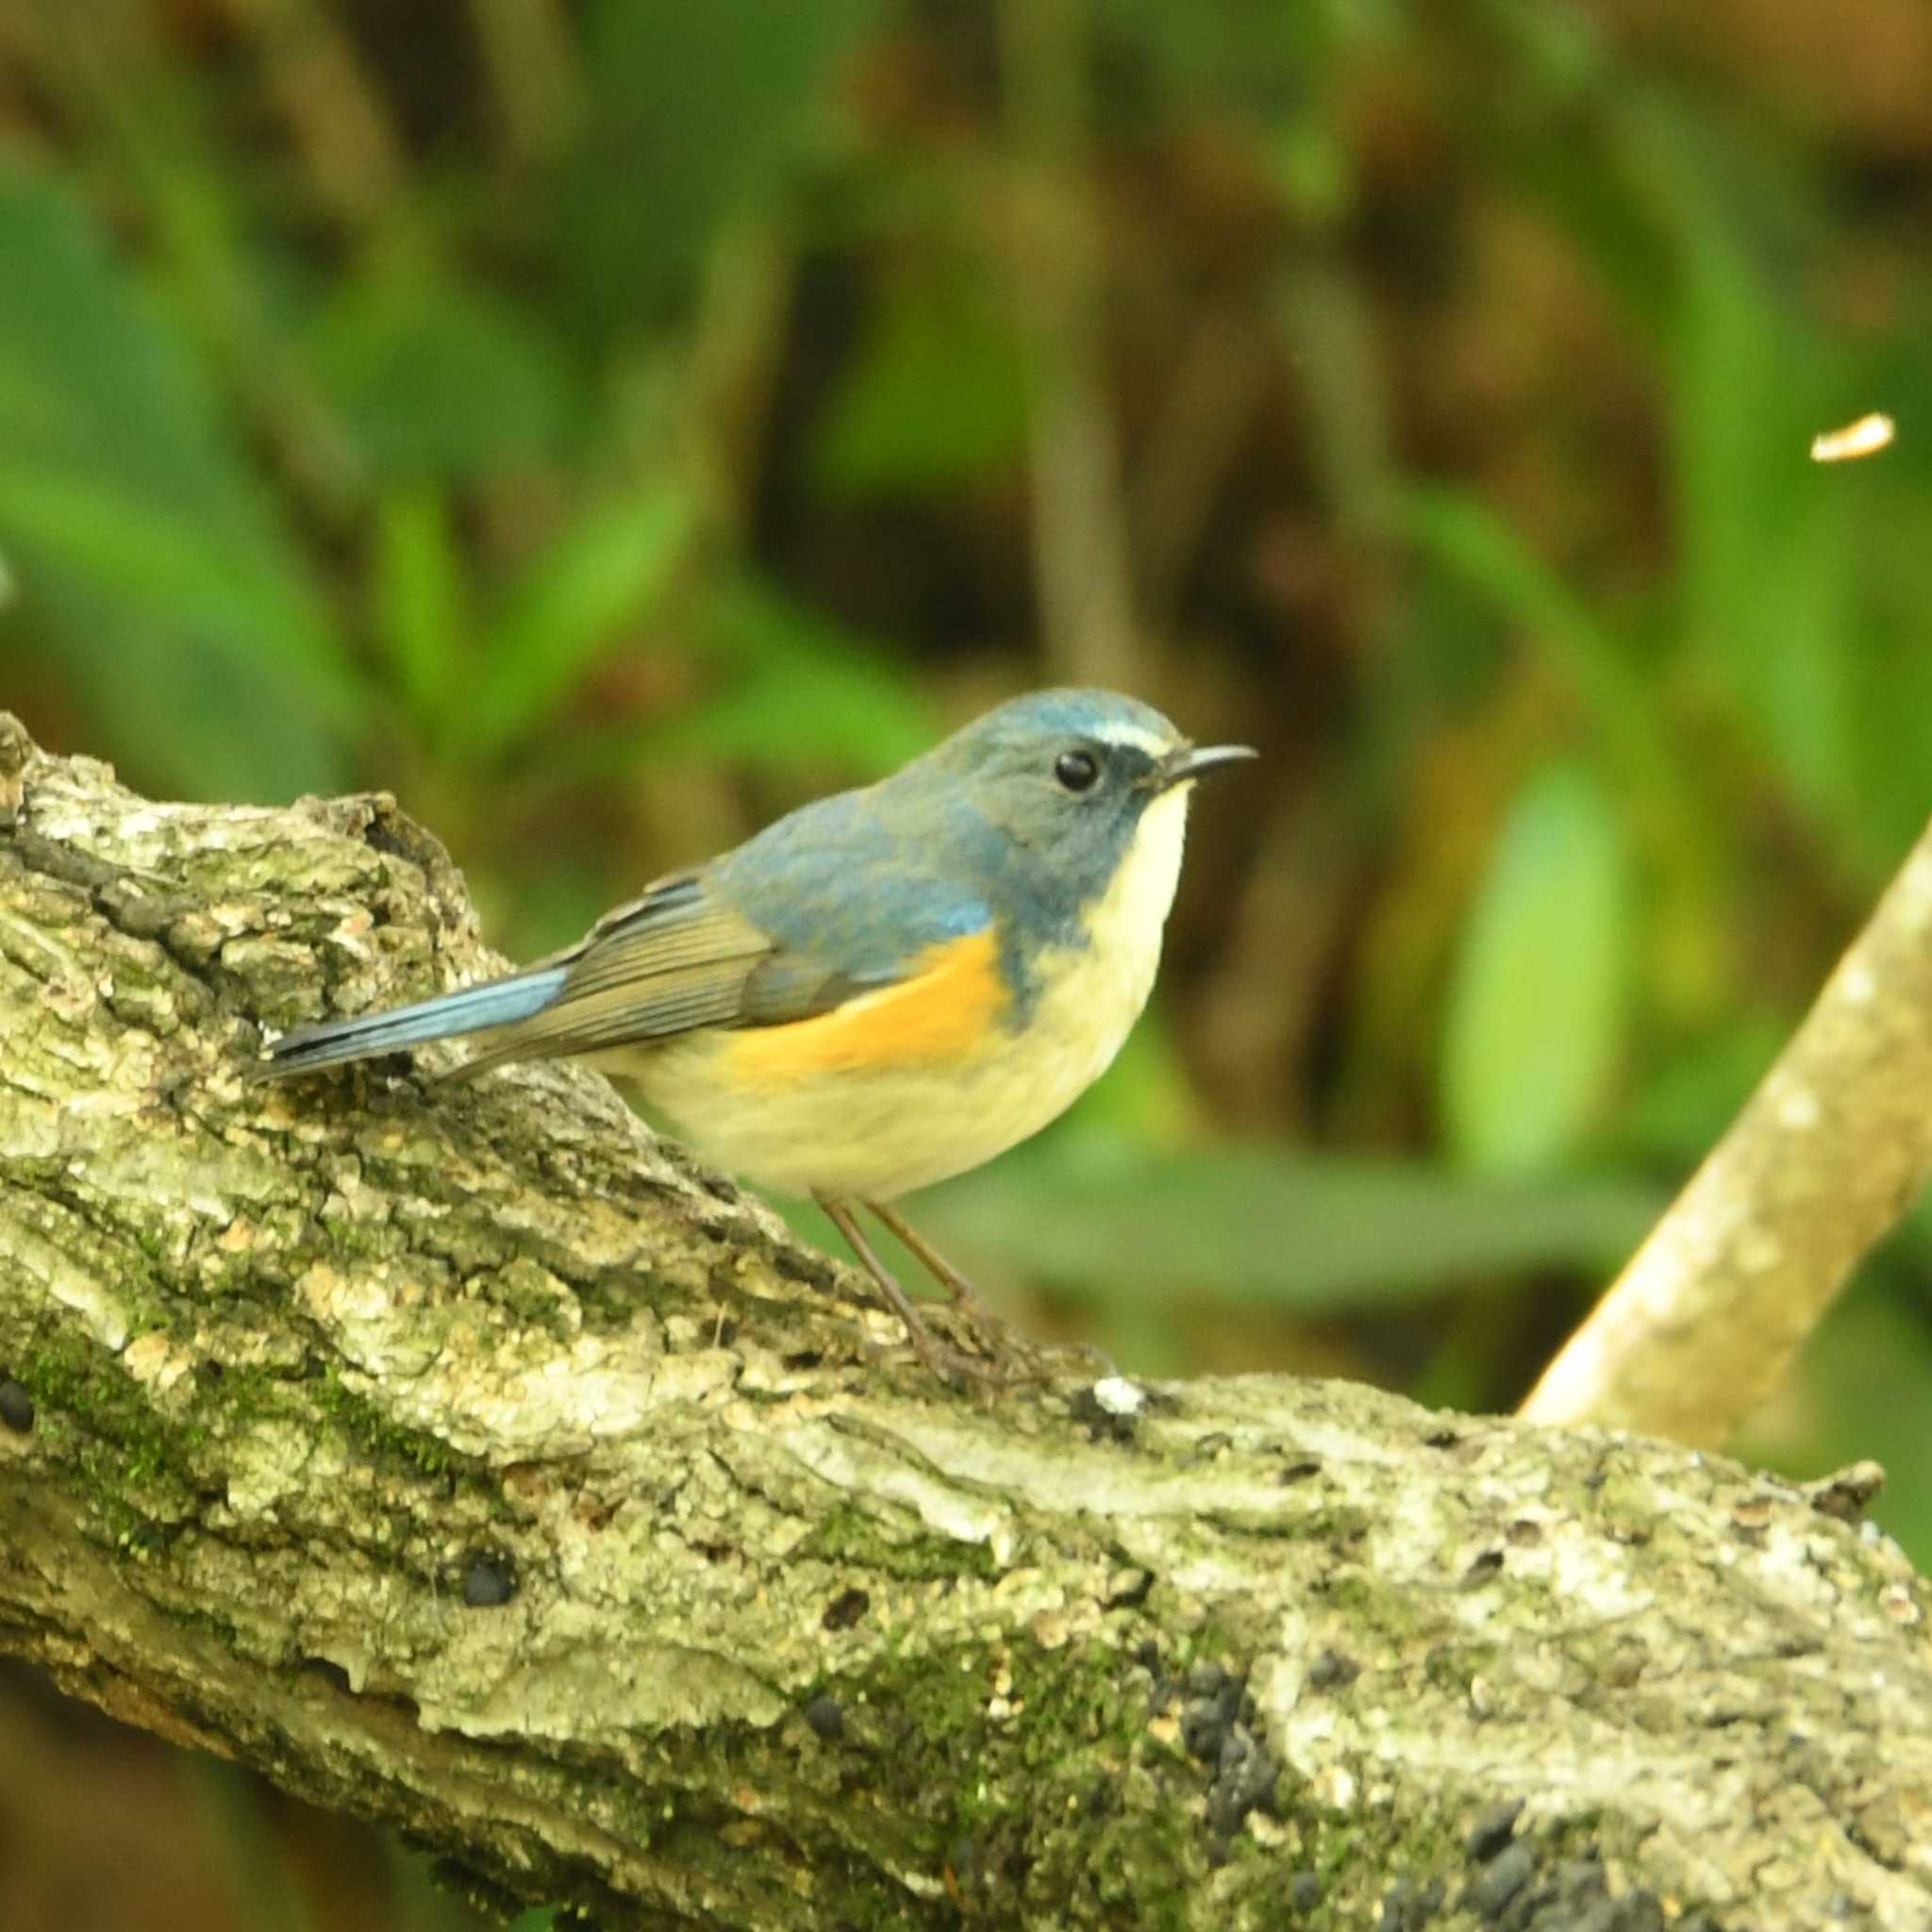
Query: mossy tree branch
[(464, 1458)]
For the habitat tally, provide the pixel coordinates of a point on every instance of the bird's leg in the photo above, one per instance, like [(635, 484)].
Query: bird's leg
[(944, 1361), (961, 1292), (965, 1297)]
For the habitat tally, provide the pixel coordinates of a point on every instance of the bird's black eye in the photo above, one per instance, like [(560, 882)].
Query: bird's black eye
[(1076, 769)]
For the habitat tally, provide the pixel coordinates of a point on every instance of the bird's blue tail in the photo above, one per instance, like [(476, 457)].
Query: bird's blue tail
[(473, 1010)]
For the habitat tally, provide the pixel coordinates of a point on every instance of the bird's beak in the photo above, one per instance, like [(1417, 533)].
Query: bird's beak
[(1190, 762)]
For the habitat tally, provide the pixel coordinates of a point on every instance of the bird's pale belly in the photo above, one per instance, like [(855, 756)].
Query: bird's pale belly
[(879, 1133)]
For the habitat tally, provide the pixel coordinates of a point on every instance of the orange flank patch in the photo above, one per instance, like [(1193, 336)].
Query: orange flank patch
[(939, 1013)]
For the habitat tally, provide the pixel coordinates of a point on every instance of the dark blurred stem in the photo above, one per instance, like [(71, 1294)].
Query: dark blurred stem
[(730, 377), (1197, 431), (1079, 521), (1824, 1161), (531, 54), (337, 118)]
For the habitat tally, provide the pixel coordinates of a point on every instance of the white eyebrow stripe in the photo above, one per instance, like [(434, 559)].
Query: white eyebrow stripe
[(1137, 737)]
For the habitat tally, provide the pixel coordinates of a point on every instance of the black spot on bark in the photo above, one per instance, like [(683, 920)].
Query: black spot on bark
[(489, 1582), (1490, 1897), (1493, 1831), (16, 1407), (1331, 1671), (845, 1610)]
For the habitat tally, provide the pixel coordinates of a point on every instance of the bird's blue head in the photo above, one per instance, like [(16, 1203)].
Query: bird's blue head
[(1056, 819), (1063, 798)]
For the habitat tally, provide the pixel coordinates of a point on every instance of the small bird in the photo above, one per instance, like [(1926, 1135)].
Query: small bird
[(883, 988)]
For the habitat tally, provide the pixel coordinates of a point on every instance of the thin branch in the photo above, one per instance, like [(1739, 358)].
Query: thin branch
[(1826, 1157)]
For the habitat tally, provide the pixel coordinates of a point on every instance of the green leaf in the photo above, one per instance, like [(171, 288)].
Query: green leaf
[(1468, 537), (417, 588), (148, 562), (439, 381), (1767, 580), (149, 556), (604, 572), (935, 397), (1766, 599), (1893, 721), (694, 112), (803, 691), (1536, 1009), (1687, 1096)]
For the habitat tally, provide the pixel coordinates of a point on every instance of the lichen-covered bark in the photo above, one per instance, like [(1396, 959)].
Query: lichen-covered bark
[(463, 1457)]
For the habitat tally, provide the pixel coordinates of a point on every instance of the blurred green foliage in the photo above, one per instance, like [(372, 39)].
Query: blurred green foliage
[(608, 425), (1542, 982)]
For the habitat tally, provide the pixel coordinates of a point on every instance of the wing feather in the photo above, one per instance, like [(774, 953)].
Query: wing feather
[(672, 960), (689, 954)]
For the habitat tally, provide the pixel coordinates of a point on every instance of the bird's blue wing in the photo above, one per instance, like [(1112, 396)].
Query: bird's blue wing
[(819, 908), (841, 881)]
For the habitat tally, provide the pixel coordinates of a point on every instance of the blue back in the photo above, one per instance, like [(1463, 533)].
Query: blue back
[(867, 880)]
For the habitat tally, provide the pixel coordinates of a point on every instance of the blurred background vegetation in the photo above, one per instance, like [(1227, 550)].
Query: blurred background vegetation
[(608, 423)]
